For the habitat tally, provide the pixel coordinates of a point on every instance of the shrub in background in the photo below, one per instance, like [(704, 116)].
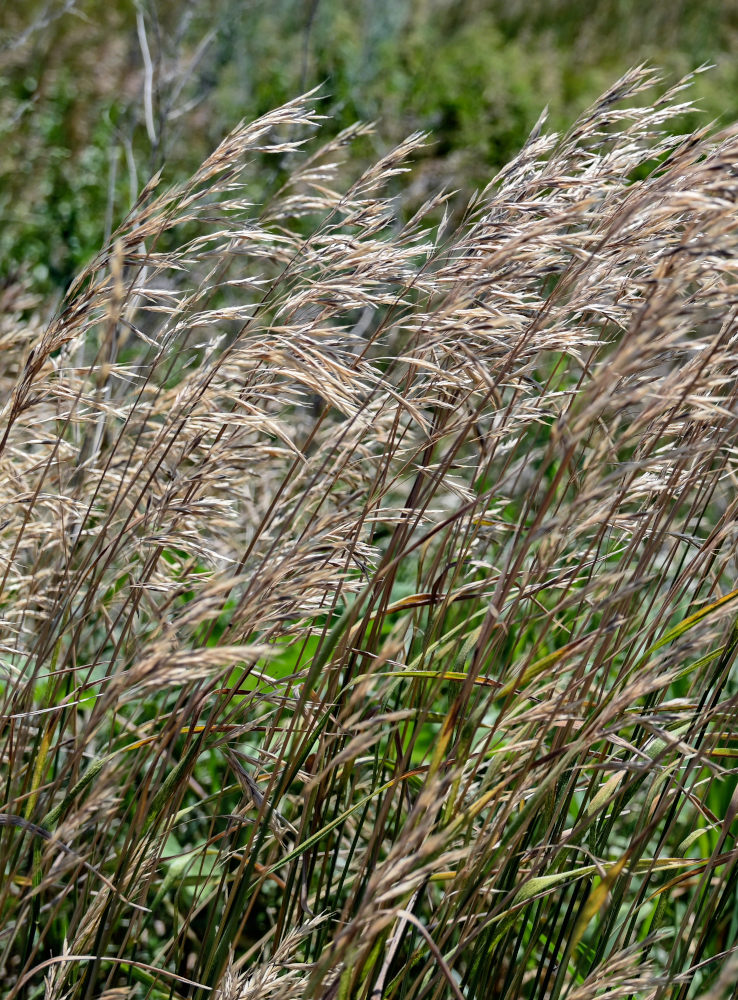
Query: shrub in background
[(97, 97)]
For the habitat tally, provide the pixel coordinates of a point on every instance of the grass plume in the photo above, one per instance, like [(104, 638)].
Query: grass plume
[(368, 584)]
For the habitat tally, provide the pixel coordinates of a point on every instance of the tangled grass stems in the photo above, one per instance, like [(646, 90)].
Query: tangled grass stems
[(368, 587)]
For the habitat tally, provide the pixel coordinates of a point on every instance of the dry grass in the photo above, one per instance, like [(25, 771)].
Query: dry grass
[(367, 595)]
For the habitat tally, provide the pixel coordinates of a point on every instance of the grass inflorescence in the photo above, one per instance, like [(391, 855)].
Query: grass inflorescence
[(368, 583)]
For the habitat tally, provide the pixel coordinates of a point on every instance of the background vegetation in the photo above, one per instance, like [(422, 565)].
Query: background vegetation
[(76, 146), (367, 552)]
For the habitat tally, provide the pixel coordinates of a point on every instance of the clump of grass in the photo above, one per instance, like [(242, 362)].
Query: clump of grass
[(368, 585)]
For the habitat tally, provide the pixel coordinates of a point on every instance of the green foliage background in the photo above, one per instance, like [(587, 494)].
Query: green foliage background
[(476, 74)]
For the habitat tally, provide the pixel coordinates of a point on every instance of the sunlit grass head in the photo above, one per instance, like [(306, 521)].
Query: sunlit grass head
[(369, 584)]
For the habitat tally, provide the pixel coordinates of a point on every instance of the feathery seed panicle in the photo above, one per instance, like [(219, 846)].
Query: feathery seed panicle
[(433, 526)]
